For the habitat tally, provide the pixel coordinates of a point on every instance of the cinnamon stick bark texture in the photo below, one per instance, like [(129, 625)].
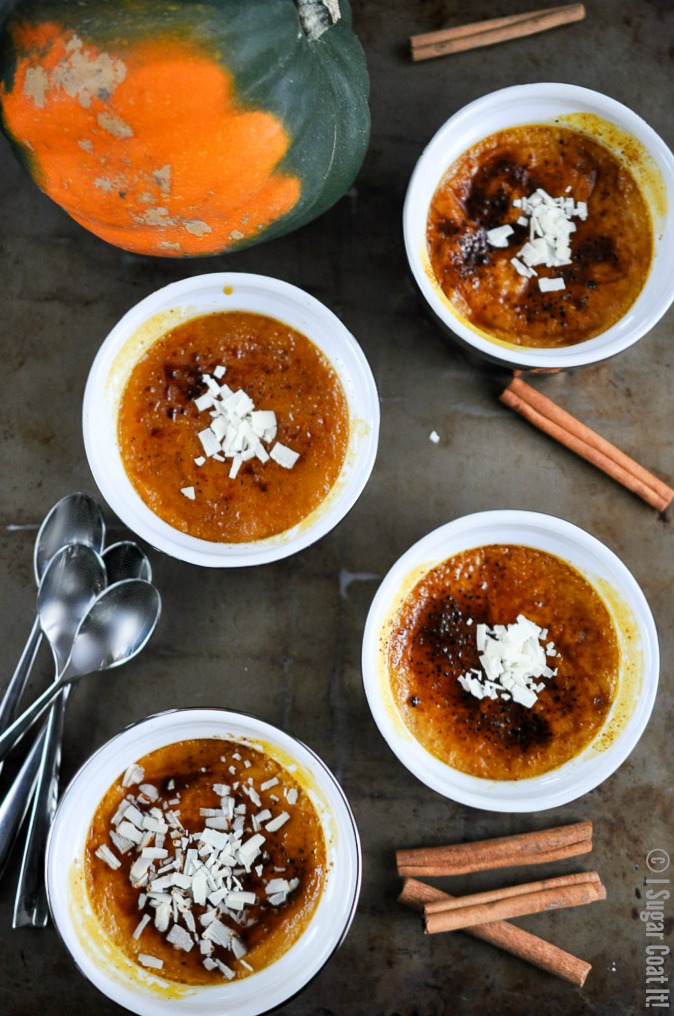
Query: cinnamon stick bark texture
[(539, 847), (550, 418), (514, 901), (487, 33), (508, 937)]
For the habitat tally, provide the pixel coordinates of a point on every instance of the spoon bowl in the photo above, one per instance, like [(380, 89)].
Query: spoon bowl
[(126, 560), (72, 580), (76, 518), (115, 629)]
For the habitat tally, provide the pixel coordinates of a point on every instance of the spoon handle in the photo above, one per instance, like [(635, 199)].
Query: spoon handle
[(16, 801), (14, 690), (10, 737), (30, 904)]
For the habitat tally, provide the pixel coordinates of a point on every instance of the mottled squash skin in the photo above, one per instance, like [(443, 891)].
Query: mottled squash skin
[(184, 128)]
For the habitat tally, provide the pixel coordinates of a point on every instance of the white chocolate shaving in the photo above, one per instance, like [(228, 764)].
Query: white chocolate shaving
[(513, 661)]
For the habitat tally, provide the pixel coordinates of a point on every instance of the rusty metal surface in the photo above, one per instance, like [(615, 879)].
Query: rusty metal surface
[(284, 641)]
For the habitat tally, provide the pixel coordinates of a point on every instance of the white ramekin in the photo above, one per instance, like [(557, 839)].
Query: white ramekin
[(632, 618), (546, 103), (143, 992), (193, 297)]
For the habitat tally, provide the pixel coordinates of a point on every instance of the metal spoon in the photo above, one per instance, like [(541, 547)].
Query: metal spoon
[(117, 626), (120, 561), (76, 518), (75, 577), (72, 580), (83, 578)]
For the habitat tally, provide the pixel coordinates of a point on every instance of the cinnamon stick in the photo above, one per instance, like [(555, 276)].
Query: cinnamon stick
[(494, 30), (507, 892), (545, 414), (514, 901), (538, 847), (508, 937)]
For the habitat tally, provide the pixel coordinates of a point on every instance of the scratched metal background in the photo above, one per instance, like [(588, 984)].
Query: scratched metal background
[(284, 641)]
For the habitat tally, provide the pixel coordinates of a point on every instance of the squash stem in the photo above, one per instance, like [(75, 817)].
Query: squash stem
[(317, 16)]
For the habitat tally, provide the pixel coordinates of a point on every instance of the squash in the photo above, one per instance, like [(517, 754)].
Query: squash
[(186, 128)]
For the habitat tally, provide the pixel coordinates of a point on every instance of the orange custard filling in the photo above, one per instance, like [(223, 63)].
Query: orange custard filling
[(205, 861), (556, 301), (432, 647), (251, 492)]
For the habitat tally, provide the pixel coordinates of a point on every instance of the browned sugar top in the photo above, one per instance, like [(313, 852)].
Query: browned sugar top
[(611, 250), (185, 774), (432, 642), (281, 370)]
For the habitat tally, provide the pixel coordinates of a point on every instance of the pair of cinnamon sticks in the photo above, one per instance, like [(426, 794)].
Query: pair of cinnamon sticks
[(483, 914), (545, 414), (487, 33)]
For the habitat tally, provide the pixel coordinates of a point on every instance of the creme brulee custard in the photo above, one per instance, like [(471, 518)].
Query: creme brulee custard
[(503, 662), (205, 861), (233, 427), (540, 236)]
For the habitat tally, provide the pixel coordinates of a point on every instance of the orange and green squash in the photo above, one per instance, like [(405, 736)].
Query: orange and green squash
[(185, 128)]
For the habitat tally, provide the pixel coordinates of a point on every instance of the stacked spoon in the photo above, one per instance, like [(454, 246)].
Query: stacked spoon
[(97, 608)]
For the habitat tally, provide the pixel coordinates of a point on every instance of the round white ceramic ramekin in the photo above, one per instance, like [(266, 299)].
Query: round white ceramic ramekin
[(194, 297), (566, 105), (633, 621), (144, 992)]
